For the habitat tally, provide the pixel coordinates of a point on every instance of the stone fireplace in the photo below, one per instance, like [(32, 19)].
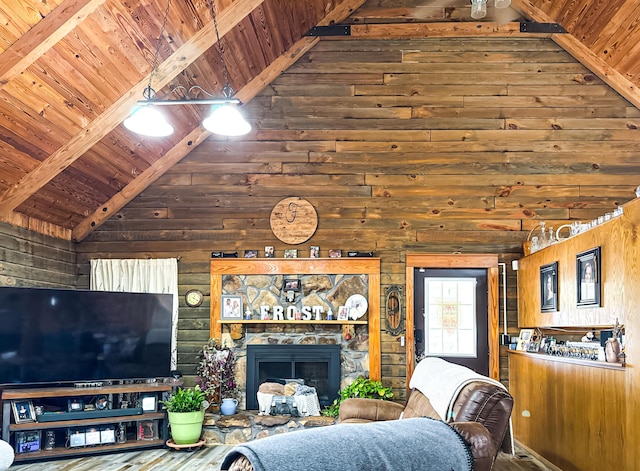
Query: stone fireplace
[(353, 354), (317, 365), (315, 290)]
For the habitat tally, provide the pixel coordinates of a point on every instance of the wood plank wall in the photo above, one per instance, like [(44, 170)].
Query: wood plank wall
[(442, 145), (31, 259)]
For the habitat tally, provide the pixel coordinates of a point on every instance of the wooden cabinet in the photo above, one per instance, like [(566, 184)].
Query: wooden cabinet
[(143, 428), (582, 417), (612, 237), (571, 414)]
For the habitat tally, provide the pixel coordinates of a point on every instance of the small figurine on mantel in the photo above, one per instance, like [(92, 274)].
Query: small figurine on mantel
[(590, 336), (247, 314)]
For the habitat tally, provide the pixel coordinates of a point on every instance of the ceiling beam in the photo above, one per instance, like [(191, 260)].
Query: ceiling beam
[(199, 135), (184, 56), (583, 54), (29, 47), (142, 181), (451, 29)]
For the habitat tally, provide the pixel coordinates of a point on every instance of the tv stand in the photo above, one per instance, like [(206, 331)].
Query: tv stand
[(142, 428)]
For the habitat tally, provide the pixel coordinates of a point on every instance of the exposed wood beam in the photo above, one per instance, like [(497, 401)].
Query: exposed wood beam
[(116, 113), (43, 36), (196, 137), (341, 12), (146, 178), (584, 55), (436, 30)]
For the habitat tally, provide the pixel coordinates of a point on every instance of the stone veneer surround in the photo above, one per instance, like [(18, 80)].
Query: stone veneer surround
[(328, 291)]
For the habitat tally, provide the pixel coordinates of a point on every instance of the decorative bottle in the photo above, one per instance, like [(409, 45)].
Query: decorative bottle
[(552, 236), (544, 241)]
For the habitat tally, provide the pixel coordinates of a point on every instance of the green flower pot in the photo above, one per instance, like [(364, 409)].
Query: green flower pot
[(186, 427)]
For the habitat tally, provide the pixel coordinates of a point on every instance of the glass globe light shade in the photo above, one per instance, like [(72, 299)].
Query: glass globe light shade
[(226, 120), (148, 121)]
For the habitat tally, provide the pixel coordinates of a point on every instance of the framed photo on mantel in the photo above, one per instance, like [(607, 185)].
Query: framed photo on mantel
[(231, 307)]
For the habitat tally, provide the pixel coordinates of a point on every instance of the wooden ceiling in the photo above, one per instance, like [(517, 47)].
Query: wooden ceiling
[(70, 72)]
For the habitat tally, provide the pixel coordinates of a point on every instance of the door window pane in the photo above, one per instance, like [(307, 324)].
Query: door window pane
[(450, 321)]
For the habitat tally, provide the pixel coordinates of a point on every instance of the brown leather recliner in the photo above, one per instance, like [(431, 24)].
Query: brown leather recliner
[(481, 415)]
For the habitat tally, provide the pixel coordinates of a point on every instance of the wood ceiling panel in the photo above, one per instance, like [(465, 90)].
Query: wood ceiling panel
[(589, 21), (16, 18), (62, 109), (618, 43)]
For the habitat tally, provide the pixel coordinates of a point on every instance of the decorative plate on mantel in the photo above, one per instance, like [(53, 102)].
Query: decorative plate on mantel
[(357, 305), (293, 220)]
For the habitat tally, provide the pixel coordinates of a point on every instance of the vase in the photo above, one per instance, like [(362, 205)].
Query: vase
[(186, 427), (228, 406), (612, 350)]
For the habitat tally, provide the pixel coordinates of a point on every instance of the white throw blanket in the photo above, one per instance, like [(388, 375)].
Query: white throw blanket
[(442, 381)]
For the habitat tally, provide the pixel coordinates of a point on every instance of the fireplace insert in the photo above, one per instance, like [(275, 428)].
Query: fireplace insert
[(317, 365)]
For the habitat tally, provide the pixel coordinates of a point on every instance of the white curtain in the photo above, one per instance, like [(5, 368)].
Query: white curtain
[(141, 276)]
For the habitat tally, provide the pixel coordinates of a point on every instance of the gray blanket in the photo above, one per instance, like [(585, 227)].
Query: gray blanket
[(420, 444)]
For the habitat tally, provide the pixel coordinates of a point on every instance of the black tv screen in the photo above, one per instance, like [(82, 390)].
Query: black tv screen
[(59, 336)]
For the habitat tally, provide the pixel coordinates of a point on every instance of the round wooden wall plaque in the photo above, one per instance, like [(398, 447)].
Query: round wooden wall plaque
[(293, 220)]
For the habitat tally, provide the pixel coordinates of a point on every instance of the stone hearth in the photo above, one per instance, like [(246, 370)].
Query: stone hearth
[(247, 426)]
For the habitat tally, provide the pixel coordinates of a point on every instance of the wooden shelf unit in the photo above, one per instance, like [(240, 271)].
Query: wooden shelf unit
[(369, 266), (573, 361), (60, 392)]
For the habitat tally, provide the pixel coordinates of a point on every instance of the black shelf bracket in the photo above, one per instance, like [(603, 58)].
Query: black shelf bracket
[(333, 30), (533, 27)]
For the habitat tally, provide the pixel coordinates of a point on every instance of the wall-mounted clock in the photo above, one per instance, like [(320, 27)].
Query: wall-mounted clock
[(193, 298), (293, 220)]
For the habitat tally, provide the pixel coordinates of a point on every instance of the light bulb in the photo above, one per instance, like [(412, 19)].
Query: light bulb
[(148, 121), (226, 120)]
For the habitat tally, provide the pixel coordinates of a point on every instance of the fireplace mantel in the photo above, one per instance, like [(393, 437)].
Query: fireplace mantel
[(304, 266)]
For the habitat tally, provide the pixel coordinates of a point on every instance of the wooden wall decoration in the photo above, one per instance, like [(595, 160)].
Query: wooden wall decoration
[(394, 321), (293, 220)]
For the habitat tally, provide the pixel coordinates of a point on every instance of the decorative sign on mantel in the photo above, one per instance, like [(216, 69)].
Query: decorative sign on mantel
[(292, 313), (293, 220)]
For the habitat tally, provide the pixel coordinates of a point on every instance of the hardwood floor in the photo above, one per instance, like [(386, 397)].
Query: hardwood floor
[(209, 459)]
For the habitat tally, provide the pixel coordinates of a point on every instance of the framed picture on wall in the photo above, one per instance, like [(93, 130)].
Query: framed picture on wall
[(588, 277), (231, 307), (549, 287)]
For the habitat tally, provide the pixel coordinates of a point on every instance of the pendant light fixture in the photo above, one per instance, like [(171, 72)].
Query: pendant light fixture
[(479, 7), (225, 119)]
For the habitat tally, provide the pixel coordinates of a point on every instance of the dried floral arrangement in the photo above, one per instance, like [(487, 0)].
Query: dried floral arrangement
[(215, 373)]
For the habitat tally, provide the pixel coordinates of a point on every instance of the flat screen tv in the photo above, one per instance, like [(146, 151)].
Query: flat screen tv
[(62, 336)]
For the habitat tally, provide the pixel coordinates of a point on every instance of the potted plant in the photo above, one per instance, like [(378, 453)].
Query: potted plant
[(215, 374), (185, 409), (361, 387)]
